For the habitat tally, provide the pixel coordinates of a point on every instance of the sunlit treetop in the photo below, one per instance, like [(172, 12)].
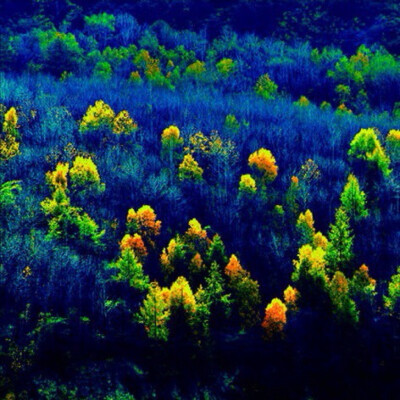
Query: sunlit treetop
[(9, 147), (181, 296), (366, 146), (84, 174), (134, 243), (100, 115), (310, 263), (155, 312), (362, 284), (319, 240), (247, 184), (174, 252), (143, 221), (196, 68), (339, 251), (195, 231), (189, 169), (306, 219), (291, 296), (124, 124), (303, 102), (393, 144), (353, 199), (392, 300), (275, 318), (263, 161), (170, 137), (343, 306), (305, 227), (233, 269), (58, 178), (10, 124), (225, 66)]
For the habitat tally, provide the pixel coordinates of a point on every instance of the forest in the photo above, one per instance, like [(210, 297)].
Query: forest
[(199, 199)]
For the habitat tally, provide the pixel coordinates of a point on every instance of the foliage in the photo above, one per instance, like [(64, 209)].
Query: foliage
[(266, 87), (275, 318), (339, 252), (366, 146), (353, 199)]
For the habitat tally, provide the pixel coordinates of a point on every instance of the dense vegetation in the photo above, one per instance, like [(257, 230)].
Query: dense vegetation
[(206, 215)]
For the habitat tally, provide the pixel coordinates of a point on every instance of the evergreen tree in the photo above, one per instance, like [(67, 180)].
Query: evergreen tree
[(339, 252)]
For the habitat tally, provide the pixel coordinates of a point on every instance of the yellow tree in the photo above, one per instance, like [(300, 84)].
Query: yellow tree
[(97, 116), (264, 162), (171, 141), (123, 123), (189, 169)]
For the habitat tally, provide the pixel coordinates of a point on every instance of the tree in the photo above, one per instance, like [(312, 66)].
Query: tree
[(343, 306), (135, 243), (155, 312), (216, 251), (67, 222), (225, 66), (130, 270), (366, 146), (362, 286), (9, 146), (124, 124), (310, 271), (61, 52), (173, 257), (247, 185), (291, 296), (339, 252), (102, 70), (353, 199), (264, 162), (10, 124), (171, 141), (266, 87), (275, 318), (8, 191), (393, 145), (144, 222), (245, 292), (392, 300), (189, 169), (305, 228), (85, 176), (97, 116)]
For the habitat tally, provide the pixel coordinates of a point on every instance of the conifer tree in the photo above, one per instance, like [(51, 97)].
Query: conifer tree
[(155, 312), (339, 253), (353, 199)]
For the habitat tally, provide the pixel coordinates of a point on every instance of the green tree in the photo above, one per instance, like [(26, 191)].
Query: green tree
[(130, 270), (155, 312), (343, 306), (366, 146), (353, 199), (339, 252), (392, 300)]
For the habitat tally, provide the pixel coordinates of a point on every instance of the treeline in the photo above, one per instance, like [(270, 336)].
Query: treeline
[(347, 24)]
